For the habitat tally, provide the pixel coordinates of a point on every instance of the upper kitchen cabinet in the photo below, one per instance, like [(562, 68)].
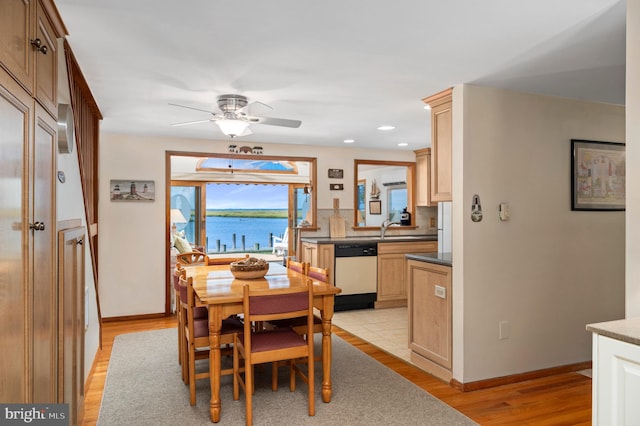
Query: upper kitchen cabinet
[(423, 177), (28, 47), (441, 144)]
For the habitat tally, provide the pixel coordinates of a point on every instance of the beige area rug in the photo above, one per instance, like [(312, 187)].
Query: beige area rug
[(143, 387)]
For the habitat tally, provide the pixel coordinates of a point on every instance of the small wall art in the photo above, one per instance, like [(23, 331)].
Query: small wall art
[(132, 190), (375, 207), (597, 175), (335, 173)]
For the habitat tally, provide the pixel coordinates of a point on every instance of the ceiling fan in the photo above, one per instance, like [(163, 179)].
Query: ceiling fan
[(234, 119)]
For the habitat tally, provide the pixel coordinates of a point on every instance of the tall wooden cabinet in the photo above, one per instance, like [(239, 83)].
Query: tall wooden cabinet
[(28, 139), (441, 144)]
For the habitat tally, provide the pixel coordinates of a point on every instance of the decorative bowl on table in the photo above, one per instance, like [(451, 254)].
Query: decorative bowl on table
[(249, 268)]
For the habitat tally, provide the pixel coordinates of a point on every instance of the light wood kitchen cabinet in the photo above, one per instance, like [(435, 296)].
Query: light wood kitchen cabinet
[(430, 317), (28, 48), (320, 255), (29, 310), (423, 177), (392, 288), (441, 145)]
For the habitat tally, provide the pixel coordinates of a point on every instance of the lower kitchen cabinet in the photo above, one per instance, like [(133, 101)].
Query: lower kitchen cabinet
[(392, 287), (616, 373), (319, 255), (430, 317)]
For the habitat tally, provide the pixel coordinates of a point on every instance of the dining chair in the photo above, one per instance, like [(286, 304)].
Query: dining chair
[(299, 325), (192, 258), (201, 312), (258, 347), (297, 266), (177, 272), (196, 332)]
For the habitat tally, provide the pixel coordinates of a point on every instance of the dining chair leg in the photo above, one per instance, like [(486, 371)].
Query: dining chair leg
[(236, 372), (192, 374), (185, 359), (248, 381), (292, 376), (274, 376)]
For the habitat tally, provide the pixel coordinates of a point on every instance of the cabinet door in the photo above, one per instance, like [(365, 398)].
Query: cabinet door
[(441, 145), (430, 331), (42, 259), (391, 283), (308, 254), (423, 177), (616, 382), (71, 330), (325, 258), (16, 53), (15, 130), (46, 64)]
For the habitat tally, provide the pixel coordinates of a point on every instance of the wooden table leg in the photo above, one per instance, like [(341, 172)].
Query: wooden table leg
[(327, 315), (215, 325)]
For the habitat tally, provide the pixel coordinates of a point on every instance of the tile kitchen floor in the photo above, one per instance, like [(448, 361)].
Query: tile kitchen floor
[(387, 329)]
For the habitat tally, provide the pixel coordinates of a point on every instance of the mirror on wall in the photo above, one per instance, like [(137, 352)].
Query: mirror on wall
[(382, 190)]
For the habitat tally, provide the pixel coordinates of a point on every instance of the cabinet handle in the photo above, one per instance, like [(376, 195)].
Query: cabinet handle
[(37, 43), (38, 226), (80, 242)]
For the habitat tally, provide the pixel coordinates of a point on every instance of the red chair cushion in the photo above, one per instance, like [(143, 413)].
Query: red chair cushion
[(274, 339)]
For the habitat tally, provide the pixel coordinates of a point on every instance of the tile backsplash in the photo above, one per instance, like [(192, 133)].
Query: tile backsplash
[(424, 218)]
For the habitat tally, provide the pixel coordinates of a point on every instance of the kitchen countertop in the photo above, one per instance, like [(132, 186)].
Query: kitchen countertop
[(370, 239), (439, 258), (625, 330)]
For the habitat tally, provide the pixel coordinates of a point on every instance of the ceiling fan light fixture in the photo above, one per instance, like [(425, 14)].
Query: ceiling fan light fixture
[(232, 127)]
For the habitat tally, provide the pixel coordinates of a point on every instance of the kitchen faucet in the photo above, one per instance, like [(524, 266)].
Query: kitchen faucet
[(385, 225)]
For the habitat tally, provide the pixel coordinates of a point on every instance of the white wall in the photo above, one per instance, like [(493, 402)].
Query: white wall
[(548, 271), (632, 298), (132, 234)]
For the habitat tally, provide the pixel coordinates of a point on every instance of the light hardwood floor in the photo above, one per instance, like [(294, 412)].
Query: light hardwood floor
[(563, 399)]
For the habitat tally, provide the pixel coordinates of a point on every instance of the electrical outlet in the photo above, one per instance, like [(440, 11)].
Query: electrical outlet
[(441, 292), (504, 330)]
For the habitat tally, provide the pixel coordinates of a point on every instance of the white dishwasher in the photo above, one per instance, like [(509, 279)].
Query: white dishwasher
[(356, 273)]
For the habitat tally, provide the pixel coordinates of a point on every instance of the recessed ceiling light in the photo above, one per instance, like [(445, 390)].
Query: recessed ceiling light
[(403, 144), (386, 127), (349, 140)]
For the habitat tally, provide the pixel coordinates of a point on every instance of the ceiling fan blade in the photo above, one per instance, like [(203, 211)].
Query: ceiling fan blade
[(186, 123), (283, 122), (196, 109)]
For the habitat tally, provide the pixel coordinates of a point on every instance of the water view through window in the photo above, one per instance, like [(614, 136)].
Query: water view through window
[(239, 217), (251, 213)]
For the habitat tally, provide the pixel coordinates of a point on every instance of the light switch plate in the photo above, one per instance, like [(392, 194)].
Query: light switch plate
[(504, 211)]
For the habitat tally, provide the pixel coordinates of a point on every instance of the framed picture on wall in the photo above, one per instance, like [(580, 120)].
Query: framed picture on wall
[(597, 175), (375, 207), (132, 190)]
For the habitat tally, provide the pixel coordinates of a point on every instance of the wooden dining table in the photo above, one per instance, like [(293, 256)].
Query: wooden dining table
[(217, 288)]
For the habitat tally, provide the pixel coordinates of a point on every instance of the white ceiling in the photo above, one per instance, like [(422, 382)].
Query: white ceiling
[(343, 67)]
